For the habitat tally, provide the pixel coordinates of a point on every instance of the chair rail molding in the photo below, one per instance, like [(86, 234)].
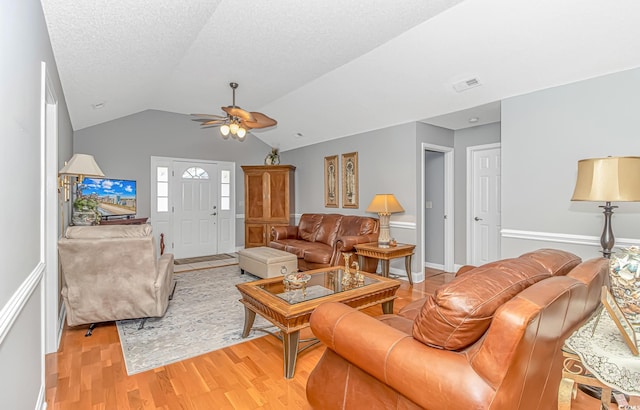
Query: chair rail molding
[(19, 299), (564, 238)]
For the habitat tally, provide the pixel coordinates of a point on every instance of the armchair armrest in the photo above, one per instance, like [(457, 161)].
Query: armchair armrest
[(464, 269), (284, 232), (346, 243), (394, 358)]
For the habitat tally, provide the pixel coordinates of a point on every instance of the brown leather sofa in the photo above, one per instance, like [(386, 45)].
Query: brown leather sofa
[(320, 239), (489, 339)]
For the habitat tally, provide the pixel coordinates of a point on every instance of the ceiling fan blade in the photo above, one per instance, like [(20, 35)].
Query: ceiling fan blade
[(239, 112), (212, 116), (261, 121), (213, 122)]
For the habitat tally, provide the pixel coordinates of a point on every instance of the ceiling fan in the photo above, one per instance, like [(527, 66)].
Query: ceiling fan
[(237, 121)]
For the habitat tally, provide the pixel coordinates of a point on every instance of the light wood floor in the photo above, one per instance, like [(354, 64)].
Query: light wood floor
[(89, 372)]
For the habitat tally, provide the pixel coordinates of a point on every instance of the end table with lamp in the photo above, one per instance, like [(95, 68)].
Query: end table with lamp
[(385, 254), (602, 353)]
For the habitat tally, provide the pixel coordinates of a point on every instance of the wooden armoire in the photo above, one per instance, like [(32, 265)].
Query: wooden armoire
[(269, 200)]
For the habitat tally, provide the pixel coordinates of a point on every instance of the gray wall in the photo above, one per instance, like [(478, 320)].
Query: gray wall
[(386, 164), (544, 134), (465, 138), (25, 44), (123, 147)]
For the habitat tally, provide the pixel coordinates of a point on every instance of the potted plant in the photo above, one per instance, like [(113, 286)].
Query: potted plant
[(273, 158), (85, 211)]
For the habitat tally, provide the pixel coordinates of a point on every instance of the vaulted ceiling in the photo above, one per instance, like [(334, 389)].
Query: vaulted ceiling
[(331, 68)]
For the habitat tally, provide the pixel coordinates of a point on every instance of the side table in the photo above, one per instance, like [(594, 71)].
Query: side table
[(385, 254), (596, 355)]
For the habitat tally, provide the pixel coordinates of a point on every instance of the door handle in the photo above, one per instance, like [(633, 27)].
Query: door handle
[(214, 213), (477, 219)]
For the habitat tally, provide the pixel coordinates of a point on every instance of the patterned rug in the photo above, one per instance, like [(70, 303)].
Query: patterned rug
[(204, 315)]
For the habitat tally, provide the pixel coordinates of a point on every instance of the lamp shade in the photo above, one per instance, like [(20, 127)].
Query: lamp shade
[(611, 179), (384, 203), (82, 164)]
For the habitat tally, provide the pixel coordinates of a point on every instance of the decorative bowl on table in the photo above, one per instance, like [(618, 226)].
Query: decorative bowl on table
[(296, 280)]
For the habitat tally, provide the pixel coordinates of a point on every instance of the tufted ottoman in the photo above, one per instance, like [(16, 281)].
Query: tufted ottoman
[(266, 262)]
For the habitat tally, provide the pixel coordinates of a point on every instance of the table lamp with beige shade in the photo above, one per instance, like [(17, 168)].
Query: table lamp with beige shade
[(611, 179), (384, 205)]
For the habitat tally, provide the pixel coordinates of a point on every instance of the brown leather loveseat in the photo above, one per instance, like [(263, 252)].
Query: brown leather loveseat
[(319, 239), (489, 339)]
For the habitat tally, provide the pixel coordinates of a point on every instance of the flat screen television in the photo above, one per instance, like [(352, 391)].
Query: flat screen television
[(116, 197)]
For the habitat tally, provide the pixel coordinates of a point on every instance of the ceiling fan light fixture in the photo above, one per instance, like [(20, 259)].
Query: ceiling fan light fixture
[(234, 128), (238, 122)]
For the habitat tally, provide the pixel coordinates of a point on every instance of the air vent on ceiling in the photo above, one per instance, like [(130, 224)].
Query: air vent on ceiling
[(466, 84)]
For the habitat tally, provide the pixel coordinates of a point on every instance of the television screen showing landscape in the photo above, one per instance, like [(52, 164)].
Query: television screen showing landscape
[(116, 197)]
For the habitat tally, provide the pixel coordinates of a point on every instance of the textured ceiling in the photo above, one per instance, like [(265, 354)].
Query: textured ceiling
[(331, 68)]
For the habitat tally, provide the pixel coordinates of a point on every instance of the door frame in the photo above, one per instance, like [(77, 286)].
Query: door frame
[(449, 244), (470, 175), (164, 223), (53, 316)]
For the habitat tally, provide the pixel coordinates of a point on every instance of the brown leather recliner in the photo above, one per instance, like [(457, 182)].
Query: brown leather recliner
[(489, 339), (320, 239)]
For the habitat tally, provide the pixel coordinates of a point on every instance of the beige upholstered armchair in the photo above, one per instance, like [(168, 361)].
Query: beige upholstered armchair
[(113, 273)]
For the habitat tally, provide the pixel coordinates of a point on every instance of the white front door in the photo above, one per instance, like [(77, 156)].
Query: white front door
[(484, 208), (195, 212)]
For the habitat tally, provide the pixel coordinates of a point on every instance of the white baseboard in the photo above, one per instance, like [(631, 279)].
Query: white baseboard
[(431, 265), (417, 277), (42, 399)]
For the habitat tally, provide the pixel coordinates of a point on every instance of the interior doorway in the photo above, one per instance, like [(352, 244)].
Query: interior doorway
[(434, 214), (437, 238)]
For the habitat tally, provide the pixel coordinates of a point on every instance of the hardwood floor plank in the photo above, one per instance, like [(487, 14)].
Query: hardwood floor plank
[(90, 373)]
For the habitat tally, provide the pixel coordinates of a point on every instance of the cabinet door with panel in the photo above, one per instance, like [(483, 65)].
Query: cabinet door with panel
[(269, 201)]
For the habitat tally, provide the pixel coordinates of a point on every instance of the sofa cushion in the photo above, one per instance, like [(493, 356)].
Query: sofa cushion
[(352, 225), (315, 252), (296, 246), (555, 261), (318, 253), (279, 244), (308, 226), (328, 229), (459, 312)]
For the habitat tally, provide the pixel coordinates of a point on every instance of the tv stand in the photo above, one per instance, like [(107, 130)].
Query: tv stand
[(125, 221)]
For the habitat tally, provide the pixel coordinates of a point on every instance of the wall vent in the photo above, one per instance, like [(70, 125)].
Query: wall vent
[(466, 84)]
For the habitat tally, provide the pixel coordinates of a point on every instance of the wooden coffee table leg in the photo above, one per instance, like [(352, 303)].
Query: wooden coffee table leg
[(290, 345), (387, 307), (249, 317)]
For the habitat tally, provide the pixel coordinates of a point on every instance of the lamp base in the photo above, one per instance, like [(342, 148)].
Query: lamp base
[(385, 236)]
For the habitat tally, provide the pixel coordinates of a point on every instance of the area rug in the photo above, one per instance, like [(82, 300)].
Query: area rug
[(204, 315), (208, 258)]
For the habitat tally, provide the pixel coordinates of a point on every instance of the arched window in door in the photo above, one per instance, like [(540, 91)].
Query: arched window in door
[(195, 173)]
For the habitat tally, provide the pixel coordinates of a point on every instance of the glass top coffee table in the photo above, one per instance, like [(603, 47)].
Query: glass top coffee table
[(289, 308)]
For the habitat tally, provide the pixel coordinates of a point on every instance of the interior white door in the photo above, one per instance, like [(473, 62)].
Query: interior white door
[(195, 210), (485, 209)]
